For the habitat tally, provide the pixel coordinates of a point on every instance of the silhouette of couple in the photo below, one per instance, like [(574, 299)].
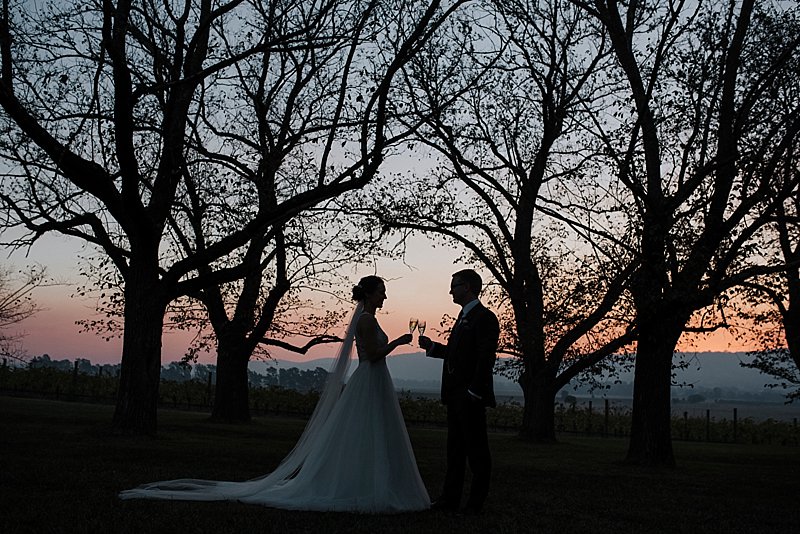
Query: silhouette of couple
[(354, 454)]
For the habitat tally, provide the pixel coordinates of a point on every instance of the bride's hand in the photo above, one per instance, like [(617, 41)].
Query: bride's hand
[(405, 339)]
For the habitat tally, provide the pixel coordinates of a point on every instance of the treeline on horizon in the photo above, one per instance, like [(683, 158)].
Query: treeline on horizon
[(303, 380), (313, 380)]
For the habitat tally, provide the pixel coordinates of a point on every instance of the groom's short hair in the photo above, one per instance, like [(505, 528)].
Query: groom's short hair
[(471, 278)]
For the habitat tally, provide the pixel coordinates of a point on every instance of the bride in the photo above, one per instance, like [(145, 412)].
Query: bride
[(354, 454)]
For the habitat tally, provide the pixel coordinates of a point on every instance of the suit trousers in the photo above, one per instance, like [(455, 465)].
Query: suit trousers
[(467, 441)]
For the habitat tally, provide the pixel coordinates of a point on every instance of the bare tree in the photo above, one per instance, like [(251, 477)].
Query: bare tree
[(700, 135), (287, 299), (503, 100), (17, 305), (114, 114), (772, 302)]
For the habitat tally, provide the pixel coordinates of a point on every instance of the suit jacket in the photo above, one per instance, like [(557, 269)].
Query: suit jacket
[(469, 357)]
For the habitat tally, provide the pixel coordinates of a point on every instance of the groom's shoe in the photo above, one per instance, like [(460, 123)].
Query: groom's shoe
[(443, 505)]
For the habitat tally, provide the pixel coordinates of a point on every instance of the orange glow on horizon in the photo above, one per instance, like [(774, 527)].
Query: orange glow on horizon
[(53, 331), (416, 287)]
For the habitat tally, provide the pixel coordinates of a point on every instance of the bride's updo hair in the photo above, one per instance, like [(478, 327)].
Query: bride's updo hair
[(365, 286)]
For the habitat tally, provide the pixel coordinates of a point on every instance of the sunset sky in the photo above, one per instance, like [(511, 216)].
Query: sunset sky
[(418, 287)]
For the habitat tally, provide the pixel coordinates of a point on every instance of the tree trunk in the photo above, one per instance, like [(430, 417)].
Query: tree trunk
[(140, 371), (651, 424), (232, 394), (538, 416), (791, 319), (791, 326)]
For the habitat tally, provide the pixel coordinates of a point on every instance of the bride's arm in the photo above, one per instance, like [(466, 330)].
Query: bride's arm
[(367, 332)]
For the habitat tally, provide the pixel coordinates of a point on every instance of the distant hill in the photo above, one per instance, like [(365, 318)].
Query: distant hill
[(721, 369), (715, 370)]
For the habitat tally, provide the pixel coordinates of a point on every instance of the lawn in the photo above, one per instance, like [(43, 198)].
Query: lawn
[(61, 469)]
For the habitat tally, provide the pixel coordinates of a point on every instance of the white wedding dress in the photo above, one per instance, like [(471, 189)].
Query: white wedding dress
[(354, 455)]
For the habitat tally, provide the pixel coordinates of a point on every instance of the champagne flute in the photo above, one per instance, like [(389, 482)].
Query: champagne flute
[(412, 324), (421, 324)]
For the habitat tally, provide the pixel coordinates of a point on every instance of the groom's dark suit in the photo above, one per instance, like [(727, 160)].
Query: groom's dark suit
[(467, 390)]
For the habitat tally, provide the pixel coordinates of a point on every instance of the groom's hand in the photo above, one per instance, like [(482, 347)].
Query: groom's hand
[(425, 342)]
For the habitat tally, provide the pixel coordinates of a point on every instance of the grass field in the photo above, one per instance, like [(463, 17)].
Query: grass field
[(60, 471)]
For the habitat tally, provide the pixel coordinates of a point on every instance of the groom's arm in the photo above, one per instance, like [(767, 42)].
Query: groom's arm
[(436, 350)]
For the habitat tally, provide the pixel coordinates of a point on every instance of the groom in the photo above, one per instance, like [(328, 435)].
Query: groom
[(467, 390)]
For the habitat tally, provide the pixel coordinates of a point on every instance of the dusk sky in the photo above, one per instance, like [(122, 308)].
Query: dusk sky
[(418, 288)]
